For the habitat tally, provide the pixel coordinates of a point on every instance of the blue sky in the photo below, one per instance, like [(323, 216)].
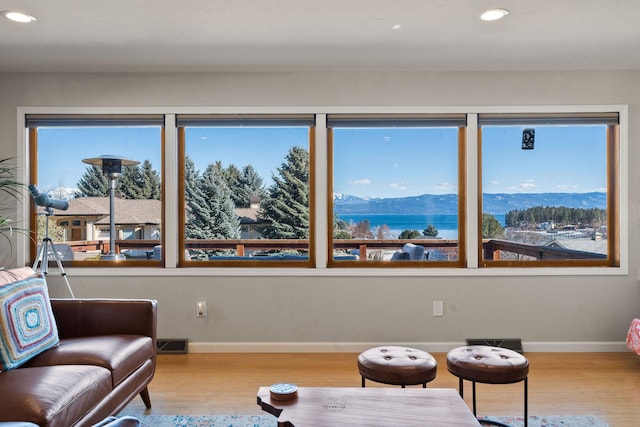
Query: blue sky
[(61, 150), (367, 162), (565, 160)]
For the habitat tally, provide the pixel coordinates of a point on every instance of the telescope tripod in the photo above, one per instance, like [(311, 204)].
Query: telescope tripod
[(42, 259)]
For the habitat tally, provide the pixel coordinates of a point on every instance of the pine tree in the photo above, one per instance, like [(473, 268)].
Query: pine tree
[(286, 207), (196, 212), (210, 210), (139, 182), (136, 182), (225, 223), (248, 185), (151, 183), (92, 183), (195, 201), (430, 231), (409, 234), (129, 183), (491, 227), (231, 175)]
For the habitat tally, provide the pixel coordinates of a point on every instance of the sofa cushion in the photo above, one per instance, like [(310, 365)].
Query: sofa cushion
[(27, 325), (15, 274), (120, 354), (54, 396)]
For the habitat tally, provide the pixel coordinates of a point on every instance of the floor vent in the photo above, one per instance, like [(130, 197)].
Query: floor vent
[(514, 344), (172, 346)]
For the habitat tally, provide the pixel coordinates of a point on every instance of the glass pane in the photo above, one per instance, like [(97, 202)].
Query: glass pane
[(84, 227), (247, 193), (395, 194), (544, 192)]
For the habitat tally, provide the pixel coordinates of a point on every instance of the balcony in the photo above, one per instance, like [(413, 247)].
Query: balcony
[(365, 250)]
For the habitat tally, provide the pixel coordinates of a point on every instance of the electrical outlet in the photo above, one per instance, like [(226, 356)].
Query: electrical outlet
[(438, 308), (201, 309)]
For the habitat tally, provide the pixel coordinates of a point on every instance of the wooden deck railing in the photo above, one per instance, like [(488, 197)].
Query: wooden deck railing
[(492, 249)]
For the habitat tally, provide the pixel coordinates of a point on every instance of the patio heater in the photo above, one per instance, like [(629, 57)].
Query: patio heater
[(112, 169)]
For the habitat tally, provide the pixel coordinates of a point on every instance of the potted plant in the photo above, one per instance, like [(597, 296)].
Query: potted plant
[(9, 188)]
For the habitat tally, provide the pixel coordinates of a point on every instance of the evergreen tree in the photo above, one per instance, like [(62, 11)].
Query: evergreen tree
[(197, 214), (286, 208), (194, 199), (139, 182), (341, 234), (247, 186), (491, 227), (129, 183), (92, 183), (231, 175), (430, 231), (224, 223), (136, 182), (409, 234), (151, 183)]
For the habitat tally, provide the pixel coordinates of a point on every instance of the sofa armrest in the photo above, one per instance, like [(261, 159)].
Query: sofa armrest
[(91, 317)]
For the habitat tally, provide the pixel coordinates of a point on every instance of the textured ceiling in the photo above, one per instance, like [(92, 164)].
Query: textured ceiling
[(296, 35)]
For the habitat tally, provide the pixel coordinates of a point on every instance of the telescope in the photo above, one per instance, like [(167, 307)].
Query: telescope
[(43, 199)]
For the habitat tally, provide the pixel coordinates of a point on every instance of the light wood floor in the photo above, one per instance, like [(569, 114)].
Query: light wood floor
[(603, 384)]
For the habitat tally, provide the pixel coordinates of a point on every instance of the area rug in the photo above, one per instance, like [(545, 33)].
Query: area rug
[(549, 421), (208, 420), (270, 421)]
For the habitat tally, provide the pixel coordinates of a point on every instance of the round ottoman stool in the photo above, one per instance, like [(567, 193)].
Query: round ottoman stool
[(397, 366), (488, 365)]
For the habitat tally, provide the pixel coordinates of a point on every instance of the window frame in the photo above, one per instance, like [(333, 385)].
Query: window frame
[(613, 185), (31, 123), (170, 180), (210, 120), (398, 121)]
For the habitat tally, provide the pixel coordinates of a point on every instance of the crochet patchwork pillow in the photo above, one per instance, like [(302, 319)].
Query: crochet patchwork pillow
[(27, 325)]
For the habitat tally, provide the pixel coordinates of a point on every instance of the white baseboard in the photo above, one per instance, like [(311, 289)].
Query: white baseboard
[(357, 347)]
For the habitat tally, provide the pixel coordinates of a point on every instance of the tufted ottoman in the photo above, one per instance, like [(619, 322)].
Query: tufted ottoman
[(489, 365), (397, 366)]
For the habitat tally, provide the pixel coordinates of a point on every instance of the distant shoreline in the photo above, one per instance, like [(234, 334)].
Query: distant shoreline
[(447, 225)]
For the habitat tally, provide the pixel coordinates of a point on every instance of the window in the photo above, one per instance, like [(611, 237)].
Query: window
[(549, 190), (246, 190), (397, 190), (412, 190), (58, 145)]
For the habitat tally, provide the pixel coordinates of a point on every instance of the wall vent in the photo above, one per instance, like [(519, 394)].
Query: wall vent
[(514, 344), (172, 346)]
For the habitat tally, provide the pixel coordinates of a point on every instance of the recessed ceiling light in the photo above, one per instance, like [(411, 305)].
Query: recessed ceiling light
[(17, 16), (494, 14), (397, 27)]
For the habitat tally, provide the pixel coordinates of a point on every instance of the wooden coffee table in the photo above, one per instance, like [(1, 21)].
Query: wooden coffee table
[(372, 406)]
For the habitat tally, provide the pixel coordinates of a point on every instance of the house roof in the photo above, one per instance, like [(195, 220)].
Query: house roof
[(128, 211), (584, 245), (248, 215), (284, 35), (132, 211)]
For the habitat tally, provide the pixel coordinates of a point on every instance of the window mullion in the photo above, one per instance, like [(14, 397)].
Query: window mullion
[(321, 191), (170, 193), (473, 185)]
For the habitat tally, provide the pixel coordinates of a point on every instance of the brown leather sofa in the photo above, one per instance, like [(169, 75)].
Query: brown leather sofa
[(105, 358)]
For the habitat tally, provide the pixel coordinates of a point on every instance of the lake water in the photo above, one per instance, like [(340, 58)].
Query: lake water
[(447, 225)]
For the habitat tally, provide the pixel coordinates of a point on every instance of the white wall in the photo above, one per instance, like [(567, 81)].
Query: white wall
[(354, 311)]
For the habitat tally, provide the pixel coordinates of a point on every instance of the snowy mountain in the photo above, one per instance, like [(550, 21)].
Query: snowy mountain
[(447, 204), (62, 193)]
